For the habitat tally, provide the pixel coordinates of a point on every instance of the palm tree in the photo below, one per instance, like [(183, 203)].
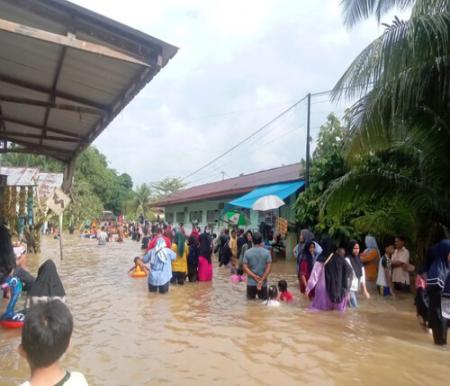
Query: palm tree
[(142, 199), (402, 82)]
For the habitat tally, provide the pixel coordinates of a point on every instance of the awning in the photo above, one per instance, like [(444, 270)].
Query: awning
[(282, 190)]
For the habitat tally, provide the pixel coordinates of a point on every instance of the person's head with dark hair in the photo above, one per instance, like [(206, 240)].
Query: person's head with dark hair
[(257, 238), (341, 251), (226, 231), (400, 241), (249, 237), (7, 255), (282, 285), (46, 334), (136, 259), (328, 247), (272, 293), (353, 248), (389, 249)]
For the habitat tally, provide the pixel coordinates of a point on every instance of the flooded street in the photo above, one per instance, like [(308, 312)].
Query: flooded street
[(208, 334)]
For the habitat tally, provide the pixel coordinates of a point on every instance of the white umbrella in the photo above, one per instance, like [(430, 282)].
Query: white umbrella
[(268, 203)]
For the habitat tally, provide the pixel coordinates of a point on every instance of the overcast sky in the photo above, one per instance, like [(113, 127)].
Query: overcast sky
[(240, 64)]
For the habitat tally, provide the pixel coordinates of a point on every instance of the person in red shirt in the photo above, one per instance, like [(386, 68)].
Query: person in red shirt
[(152, 243), (285, 295)]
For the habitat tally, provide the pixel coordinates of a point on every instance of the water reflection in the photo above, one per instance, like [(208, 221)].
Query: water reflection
[(207, 333)]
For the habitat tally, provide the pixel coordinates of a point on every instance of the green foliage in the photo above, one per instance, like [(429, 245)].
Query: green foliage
[(96, 186), (327, 165), (400, 136), (166, 187)]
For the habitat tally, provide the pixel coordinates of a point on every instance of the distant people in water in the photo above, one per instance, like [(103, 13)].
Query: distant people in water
[(102, 236)]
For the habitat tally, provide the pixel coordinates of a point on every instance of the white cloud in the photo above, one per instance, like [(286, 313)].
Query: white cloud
[(250, 57)]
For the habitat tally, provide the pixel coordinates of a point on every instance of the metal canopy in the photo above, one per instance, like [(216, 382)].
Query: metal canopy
[(65, 73)]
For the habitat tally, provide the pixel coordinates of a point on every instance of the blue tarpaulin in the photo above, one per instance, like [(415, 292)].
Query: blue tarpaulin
[(282, 190)]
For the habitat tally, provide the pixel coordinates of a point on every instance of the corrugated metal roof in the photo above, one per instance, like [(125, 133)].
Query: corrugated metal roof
[(20, 176), (234, 186), (66, 72), (45, 182)]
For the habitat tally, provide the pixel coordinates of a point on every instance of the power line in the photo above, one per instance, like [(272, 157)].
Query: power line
[(245, 139)]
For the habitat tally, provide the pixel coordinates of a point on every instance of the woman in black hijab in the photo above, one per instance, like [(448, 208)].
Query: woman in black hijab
[(438, 290), (338, 277), (331, 277), (8, 264), (205, 271), (7, 255), (47, 287)]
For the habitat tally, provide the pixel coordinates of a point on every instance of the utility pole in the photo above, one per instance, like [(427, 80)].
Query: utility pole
[(308, 134), (223, 175)]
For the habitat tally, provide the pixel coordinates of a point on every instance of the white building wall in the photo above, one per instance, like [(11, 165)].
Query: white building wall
[(255, 217)]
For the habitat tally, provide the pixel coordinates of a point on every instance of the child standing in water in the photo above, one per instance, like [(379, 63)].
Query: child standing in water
[(285, 295), (272, 297)]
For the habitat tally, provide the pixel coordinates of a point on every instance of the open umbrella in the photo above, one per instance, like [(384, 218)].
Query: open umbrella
[(268, 203), (236, 218)]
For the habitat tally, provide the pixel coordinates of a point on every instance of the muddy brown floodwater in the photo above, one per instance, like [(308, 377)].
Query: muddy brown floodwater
[(208, 334)]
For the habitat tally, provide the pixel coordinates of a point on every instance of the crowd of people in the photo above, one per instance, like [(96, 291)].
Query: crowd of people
[(330, 277)]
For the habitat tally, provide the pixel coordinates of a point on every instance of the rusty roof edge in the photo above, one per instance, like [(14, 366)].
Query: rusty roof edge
[(171, 50), (168, 201)]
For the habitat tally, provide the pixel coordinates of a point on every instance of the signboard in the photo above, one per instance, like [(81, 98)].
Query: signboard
[(58, 201), (282, 225)]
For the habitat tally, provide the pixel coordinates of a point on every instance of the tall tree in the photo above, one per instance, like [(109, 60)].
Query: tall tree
[(142, 198), (167, 186), (402, 81)]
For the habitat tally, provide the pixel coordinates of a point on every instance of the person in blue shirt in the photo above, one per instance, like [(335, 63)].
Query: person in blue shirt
[(160, 258)]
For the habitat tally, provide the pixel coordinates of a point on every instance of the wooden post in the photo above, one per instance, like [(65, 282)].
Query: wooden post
[(60, 235)]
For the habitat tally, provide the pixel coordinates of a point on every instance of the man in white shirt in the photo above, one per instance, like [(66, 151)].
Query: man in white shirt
[(102, 237), (400, 266)]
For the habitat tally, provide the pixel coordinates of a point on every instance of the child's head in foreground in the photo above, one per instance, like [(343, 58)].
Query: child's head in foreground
[(46, 333), (282, 285), (273, 292)]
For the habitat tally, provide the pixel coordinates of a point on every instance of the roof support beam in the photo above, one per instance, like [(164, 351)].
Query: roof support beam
[(52, 95), (52, 104), (8, 135), (68, 41), (40, 127), (43, 148), (59, 94), (24, 150)]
